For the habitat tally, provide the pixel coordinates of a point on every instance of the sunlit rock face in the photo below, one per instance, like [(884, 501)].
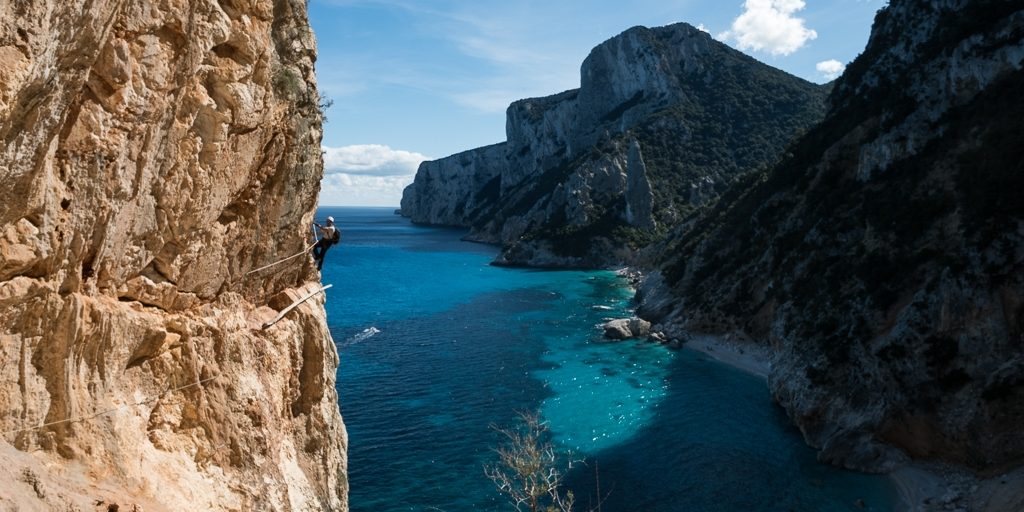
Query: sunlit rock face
[(451, 190), (664, 121), (883, 258), (153, 154)]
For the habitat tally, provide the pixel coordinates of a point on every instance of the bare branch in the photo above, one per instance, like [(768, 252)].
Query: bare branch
[(528, 471)]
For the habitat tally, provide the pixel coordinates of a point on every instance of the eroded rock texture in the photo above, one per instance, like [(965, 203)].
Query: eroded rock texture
[(153, 153)]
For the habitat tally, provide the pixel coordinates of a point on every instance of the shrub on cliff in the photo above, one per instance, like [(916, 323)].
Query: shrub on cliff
[(528, 471)]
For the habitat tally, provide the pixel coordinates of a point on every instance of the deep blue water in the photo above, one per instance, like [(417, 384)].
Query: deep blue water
[(436, 345)]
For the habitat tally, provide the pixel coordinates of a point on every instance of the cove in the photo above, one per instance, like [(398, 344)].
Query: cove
[(436, 346)]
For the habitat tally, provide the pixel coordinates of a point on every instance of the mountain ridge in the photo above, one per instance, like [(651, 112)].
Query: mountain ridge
[(553, 194)]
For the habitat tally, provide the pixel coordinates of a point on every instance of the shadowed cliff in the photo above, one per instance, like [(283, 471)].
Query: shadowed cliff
[(883, 257)]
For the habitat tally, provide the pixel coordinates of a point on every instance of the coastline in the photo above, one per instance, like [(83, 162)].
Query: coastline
[(922, 486), (748, 357), (931, 487)]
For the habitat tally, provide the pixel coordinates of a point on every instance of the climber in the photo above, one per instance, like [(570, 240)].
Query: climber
[(331, 236)]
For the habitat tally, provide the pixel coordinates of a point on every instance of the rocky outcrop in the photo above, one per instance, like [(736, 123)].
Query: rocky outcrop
[(664, 120), (455, 190), (639, 198), (883, 259), (152, 155), (625, 328)]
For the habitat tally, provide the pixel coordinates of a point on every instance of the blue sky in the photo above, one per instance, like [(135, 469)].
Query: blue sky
[(419, 79)]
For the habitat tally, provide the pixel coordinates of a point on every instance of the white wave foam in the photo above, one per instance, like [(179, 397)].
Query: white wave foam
[(366, 334)]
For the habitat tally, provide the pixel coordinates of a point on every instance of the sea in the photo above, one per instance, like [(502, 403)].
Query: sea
[(439, 348)]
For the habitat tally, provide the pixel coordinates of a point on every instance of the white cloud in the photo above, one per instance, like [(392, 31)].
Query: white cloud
[(769, 26), (830, 69), (371, 160), (367, 175), (356, 190), (702, 28)]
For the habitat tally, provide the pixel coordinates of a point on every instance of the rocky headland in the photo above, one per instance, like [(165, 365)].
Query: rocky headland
[(664, 121), (153, 155)]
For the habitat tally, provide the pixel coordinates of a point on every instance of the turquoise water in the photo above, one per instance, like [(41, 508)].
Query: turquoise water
[(436, 346)]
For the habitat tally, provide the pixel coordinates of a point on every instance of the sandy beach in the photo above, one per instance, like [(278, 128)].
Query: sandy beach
[(927, 487), (745, 356)]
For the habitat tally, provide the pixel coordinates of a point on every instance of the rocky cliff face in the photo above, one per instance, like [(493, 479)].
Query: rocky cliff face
[(451, 190), (154, 154), (883, 259), (663, 122)]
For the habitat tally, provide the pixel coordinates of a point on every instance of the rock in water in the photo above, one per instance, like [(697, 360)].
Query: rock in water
[(618, 329), (625, 328), (151, 155)]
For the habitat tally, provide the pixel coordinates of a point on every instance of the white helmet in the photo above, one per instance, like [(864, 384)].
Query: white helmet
[(330, 219)]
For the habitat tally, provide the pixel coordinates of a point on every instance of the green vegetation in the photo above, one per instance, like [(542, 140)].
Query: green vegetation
[(287, 82), (486, 201), (848, 253), (324, 105), (737, 116)]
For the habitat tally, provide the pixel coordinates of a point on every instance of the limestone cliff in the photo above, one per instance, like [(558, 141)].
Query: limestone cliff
[(883, 259), (664, 121), (153, 154), (451, 190)]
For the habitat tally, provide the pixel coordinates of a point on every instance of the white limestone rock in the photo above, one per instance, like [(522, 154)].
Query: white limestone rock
[(625, 328)]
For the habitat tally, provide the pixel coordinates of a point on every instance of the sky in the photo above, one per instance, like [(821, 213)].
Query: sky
[(415, 80)]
